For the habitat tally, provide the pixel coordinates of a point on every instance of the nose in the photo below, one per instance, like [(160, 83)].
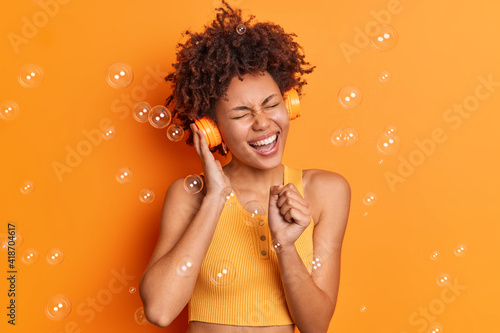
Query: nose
[(261, 121)]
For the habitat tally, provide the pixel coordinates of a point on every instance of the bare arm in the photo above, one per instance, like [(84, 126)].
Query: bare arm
[(187, 227), (312, 298)]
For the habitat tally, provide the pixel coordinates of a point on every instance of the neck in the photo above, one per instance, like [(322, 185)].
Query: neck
[(247, 178)]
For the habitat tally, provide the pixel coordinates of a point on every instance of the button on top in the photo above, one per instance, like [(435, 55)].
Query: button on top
[(264, 253), (262, 238)]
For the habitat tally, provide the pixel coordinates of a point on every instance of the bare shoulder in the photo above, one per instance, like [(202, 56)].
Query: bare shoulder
[(329, 196), (179, 207), (322, 184)]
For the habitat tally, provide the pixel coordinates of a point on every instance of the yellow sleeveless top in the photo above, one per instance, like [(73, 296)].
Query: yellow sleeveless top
[(239, 281)]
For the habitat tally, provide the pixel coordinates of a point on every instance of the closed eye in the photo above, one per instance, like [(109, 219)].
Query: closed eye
[(272, 106), (240, 116)]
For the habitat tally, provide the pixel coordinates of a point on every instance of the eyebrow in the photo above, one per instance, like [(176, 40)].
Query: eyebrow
[(243, 107)]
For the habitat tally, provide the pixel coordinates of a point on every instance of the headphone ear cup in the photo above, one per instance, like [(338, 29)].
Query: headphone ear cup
[(210, 130), (292, 103)]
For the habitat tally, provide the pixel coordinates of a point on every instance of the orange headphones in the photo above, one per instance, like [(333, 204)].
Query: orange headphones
[(212, 134)]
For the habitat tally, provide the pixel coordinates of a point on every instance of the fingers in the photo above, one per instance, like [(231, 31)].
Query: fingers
[(293, 207)]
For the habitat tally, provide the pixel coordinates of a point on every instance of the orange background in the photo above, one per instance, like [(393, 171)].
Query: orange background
[(388, 279)]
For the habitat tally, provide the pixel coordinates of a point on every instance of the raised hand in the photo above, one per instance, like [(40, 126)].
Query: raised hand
[(289, 213), (215, 179)]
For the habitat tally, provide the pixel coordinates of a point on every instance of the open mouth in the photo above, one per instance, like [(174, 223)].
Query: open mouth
[(265, 145)]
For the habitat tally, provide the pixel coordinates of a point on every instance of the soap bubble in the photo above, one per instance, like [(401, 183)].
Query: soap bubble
[(9, 110), (257, 212), (337, 137), (277, 246), (193, 184), (362, 308), (13, 240), (30, 76), (140, 317), (30, 256), (443, 279), (349, 97), (435, 255), (370, 199), (240, 29), (55, 256), (435, 328), (109, 133), (185, 266), (119, 75), (124, 175), (230, 195), (58, 307), (132, 290), (141, 112), (316, 265), (175, 133), (391, 130), (159, 116), (350, 136), (27, 187), (384, 77), (384, 37), (146, 195), (388, 144), (460, 250), (222, 272)]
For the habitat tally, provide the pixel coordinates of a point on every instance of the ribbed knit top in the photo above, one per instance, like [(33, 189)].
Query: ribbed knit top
[(239, 281)]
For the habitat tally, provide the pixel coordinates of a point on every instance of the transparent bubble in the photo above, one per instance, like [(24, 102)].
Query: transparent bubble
[(55, 256), (193, 184), (140, 317), (230, 195), (388, 144), (58, 307), (240, 29), (13, 240), (30, 76), (141, 112), (391, 130), (277, 246), (257, 213), (222, 272), (109, 133), (159, 116), (185, 266), (349, 97), (119, 75), (316, 265), (350, 136), (175, 133), (27, 187), (147, 195), (362, 308), (460, 250), (384, 77), (384, 37), (370, 199), (337, 137), (9, 110), (443, 279), (29, 256), (435, 328), (124, 175), (132, 290), (435, 255)]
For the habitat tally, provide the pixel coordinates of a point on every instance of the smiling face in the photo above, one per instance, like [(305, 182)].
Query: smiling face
[(253, 121)]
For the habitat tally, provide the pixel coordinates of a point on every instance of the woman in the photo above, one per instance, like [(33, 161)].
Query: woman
[(242, 272)]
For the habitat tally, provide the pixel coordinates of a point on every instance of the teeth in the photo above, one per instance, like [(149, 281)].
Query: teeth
[(265, 141)]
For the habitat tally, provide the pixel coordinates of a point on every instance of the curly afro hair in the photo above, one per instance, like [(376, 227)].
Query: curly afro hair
[(230, 46)]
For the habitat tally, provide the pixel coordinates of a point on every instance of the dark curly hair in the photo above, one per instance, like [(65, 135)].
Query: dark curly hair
[(230, 47)]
